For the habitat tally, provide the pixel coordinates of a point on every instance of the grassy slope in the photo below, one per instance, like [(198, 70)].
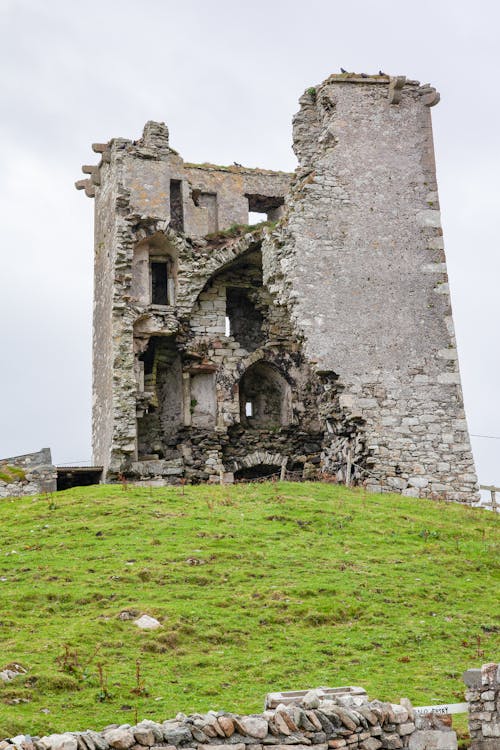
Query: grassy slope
[(299, 585)]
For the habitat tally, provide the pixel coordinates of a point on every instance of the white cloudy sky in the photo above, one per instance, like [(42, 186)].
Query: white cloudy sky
[(226, 76)]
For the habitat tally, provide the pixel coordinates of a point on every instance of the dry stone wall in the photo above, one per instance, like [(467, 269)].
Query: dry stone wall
[(27, 474), (350, 722), (483, 696)]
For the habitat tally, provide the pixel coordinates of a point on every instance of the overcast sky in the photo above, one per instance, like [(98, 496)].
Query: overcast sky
[(226, 76)]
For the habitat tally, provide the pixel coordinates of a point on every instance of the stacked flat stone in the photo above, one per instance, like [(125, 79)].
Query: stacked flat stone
[(483, 696), (345, 722)]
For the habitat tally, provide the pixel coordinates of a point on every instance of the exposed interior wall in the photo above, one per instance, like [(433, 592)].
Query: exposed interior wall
[(196, 383)]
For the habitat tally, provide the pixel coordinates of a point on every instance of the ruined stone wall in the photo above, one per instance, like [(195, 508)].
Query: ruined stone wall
[(27, 474), (213, 435), (102, 356), (133, 189), (360, 261), (340, 311), (483, 696), (336, 722)]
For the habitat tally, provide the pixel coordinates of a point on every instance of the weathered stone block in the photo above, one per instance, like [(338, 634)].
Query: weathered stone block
[(433, 739)]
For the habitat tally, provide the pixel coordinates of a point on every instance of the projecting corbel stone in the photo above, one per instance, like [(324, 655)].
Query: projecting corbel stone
[(94, 172), (87, 186), (100, 148), (395, 89), (430, 97)]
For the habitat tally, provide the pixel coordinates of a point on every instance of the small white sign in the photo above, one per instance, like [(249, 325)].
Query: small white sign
[(445, 708)]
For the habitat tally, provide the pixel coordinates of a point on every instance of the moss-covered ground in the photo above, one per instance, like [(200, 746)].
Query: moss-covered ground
[(258, 587)]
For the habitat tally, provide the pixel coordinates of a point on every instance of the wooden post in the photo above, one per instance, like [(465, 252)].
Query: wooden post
[(283, 469), (348, 468)]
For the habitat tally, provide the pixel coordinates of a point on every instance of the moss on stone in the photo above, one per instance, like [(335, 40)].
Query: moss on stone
[(11, 474), (237, 230)]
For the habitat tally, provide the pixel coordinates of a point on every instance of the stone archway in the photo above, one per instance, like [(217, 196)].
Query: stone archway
[(260, 458)]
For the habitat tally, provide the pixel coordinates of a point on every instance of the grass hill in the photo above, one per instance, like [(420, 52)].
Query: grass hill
[(258, 587)]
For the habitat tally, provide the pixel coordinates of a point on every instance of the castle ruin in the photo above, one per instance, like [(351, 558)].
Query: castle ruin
[(317, 343)]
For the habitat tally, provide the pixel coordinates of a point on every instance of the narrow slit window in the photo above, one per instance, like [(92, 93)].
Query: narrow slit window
[(159, 283), (228, 326), (249, 409)]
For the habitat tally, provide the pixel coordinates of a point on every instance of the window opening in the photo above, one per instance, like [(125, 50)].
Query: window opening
[(255, 217), (159, 283), (249, 409), (262, 207), (245, 320), (176, 206), (228, 326)]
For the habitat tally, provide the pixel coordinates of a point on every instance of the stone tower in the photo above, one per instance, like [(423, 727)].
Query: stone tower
[(319, 342)]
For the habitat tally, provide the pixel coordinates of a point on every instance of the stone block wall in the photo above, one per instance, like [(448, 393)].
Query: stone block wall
[(359, 258), (483, 696), (350, 722), (27, 474)]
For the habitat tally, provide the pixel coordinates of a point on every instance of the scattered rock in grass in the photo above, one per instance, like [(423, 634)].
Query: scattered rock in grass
[(11, 671), (128, 614), (145, 622)]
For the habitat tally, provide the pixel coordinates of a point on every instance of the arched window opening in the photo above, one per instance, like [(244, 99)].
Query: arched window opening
[(265, 398)]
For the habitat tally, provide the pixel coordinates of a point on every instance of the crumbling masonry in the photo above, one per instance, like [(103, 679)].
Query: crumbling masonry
[(320, 342)]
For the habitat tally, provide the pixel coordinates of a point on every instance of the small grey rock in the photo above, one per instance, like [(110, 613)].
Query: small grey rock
[(311, 700)]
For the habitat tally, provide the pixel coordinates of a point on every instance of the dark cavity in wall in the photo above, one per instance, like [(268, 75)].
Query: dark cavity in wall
[(159, 283), (176, 207), (257, 472), (157, 429), (264, 397), (245, 321)]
